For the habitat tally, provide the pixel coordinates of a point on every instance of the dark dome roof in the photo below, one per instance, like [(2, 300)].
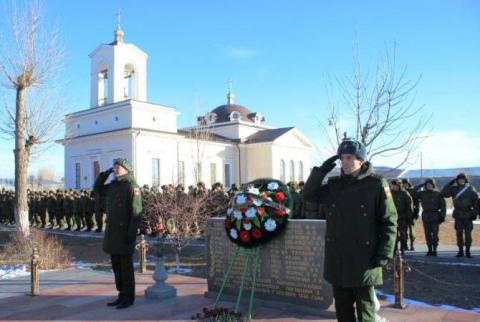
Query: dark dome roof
[(223, 112)]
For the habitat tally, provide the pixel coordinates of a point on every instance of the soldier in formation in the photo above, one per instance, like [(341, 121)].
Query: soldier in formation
[(465, 210)]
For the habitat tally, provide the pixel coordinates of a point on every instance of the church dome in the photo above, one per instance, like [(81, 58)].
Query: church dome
[(226, 113), (230, 112)]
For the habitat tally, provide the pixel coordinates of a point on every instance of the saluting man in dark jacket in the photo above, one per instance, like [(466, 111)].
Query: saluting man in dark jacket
[(124, 212), (361, 229), (465, 210)]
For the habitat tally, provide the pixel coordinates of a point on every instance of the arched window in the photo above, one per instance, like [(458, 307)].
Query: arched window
[(300, 171), (292, 170), (128, 82), (282, 170), (103, 87)]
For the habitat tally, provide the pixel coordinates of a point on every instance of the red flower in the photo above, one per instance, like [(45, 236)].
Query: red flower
[(256, 233), (280, 212), (246, 221), (264, 195), (228, 223), (261, 211), (280, 196), (245, 236)]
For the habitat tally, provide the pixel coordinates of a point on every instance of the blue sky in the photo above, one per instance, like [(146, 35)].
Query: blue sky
[(280, 55)]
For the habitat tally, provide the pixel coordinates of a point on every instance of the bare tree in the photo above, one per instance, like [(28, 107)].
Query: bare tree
[(182, 216), (200, 137), (30, 59), (379, 110)]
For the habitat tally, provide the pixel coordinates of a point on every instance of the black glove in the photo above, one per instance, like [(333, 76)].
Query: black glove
[(452, 182), (328, 164), (379, 261), (419, 186)]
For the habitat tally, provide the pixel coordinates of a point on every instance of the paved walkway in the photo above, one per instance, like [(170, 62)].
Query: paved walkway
[(78, 294)]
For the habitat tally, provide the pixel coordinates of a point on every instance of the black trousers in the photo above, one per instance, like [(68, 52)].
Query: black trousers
[(122, 266), (362, 297)]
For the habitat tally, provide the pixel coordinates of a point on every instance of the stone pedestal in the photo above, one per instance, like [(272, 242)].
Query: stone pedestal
[(291, 266), (160, 290)]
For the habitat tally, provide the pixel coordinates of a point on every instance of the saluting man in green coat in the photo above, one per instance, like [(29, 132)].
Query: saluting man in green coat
[(124, 212), (361, 229)]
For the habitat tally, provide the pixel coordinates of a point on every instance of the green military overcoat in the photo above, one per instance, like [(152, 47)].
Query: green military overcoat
[(124, 212), (361, 225)]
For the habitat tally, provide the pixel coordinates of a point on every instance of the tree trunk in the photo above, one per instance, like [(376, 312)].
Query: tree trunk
[(21, 166)]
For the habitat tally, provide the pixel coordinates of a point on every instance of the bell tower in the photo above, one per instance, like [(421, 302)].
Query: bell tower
[(118, 71)]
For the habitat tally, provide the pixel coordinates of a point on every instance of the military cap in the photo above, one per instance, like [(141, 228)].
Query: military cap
[(351, 146), (124, 163)]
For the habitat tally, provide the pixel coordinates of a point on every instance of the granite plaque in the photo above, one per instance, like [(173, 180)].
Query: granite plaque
[(290, 270)]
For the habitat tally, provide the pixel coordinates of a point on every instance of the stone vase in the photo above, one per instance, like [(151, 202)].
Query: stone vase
[(160, 290)]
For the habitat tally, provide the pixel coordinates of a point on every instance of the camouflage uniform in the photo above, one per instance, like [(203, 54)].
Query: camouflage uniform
[(433, 213), (403, 204), (465, 199)]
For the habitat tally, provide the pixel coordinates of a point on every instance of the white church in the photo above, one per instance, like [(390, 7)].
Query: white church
[(231, 144)]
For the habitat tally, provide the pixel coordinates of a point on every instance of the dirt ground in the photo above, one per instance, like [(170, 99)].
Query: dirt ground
[(447, 232), (430, 282)]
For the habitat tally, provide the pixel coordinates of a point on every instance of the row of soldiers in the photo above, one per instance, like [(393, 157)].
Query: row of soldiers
[(81, 210), (410, 199), (60, 209)]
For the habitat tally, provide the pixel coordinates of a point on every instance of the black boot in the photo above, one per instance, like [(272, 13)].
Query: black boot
[(411, 246), (434, 252), (460, 252), (467, 252), (429, 253), (116, 302), (126, 302)]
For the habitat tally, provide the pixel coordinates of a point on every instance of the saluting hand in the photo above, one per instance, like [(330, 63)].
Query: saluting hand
[(329, 164)]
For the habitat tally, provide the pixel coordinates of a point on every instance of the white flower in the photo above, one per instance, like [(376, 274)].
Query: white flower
[(270, 225), (241, 199), (251, 212), (253, 191), (237, 214), (229, 211), (257, 202), (247, 226), (233, 233), (272, 186)]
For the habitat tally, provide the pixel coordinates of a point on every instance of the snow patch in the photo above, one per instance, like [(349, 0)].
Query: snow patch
[(179, 271), (12, 271)]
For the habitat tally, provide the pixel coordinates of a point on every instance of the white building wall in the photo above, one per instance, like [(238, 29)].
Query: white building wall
[(98, 120), (237, 130), (103, 148), (154, 117), (288, 148), (173, 148), (256, 161), (101, 58), (129, 54)]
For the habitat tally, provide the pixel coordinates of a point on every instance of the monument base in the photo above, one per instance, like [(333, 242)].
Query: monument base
[(160, 292), (328, 313)]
